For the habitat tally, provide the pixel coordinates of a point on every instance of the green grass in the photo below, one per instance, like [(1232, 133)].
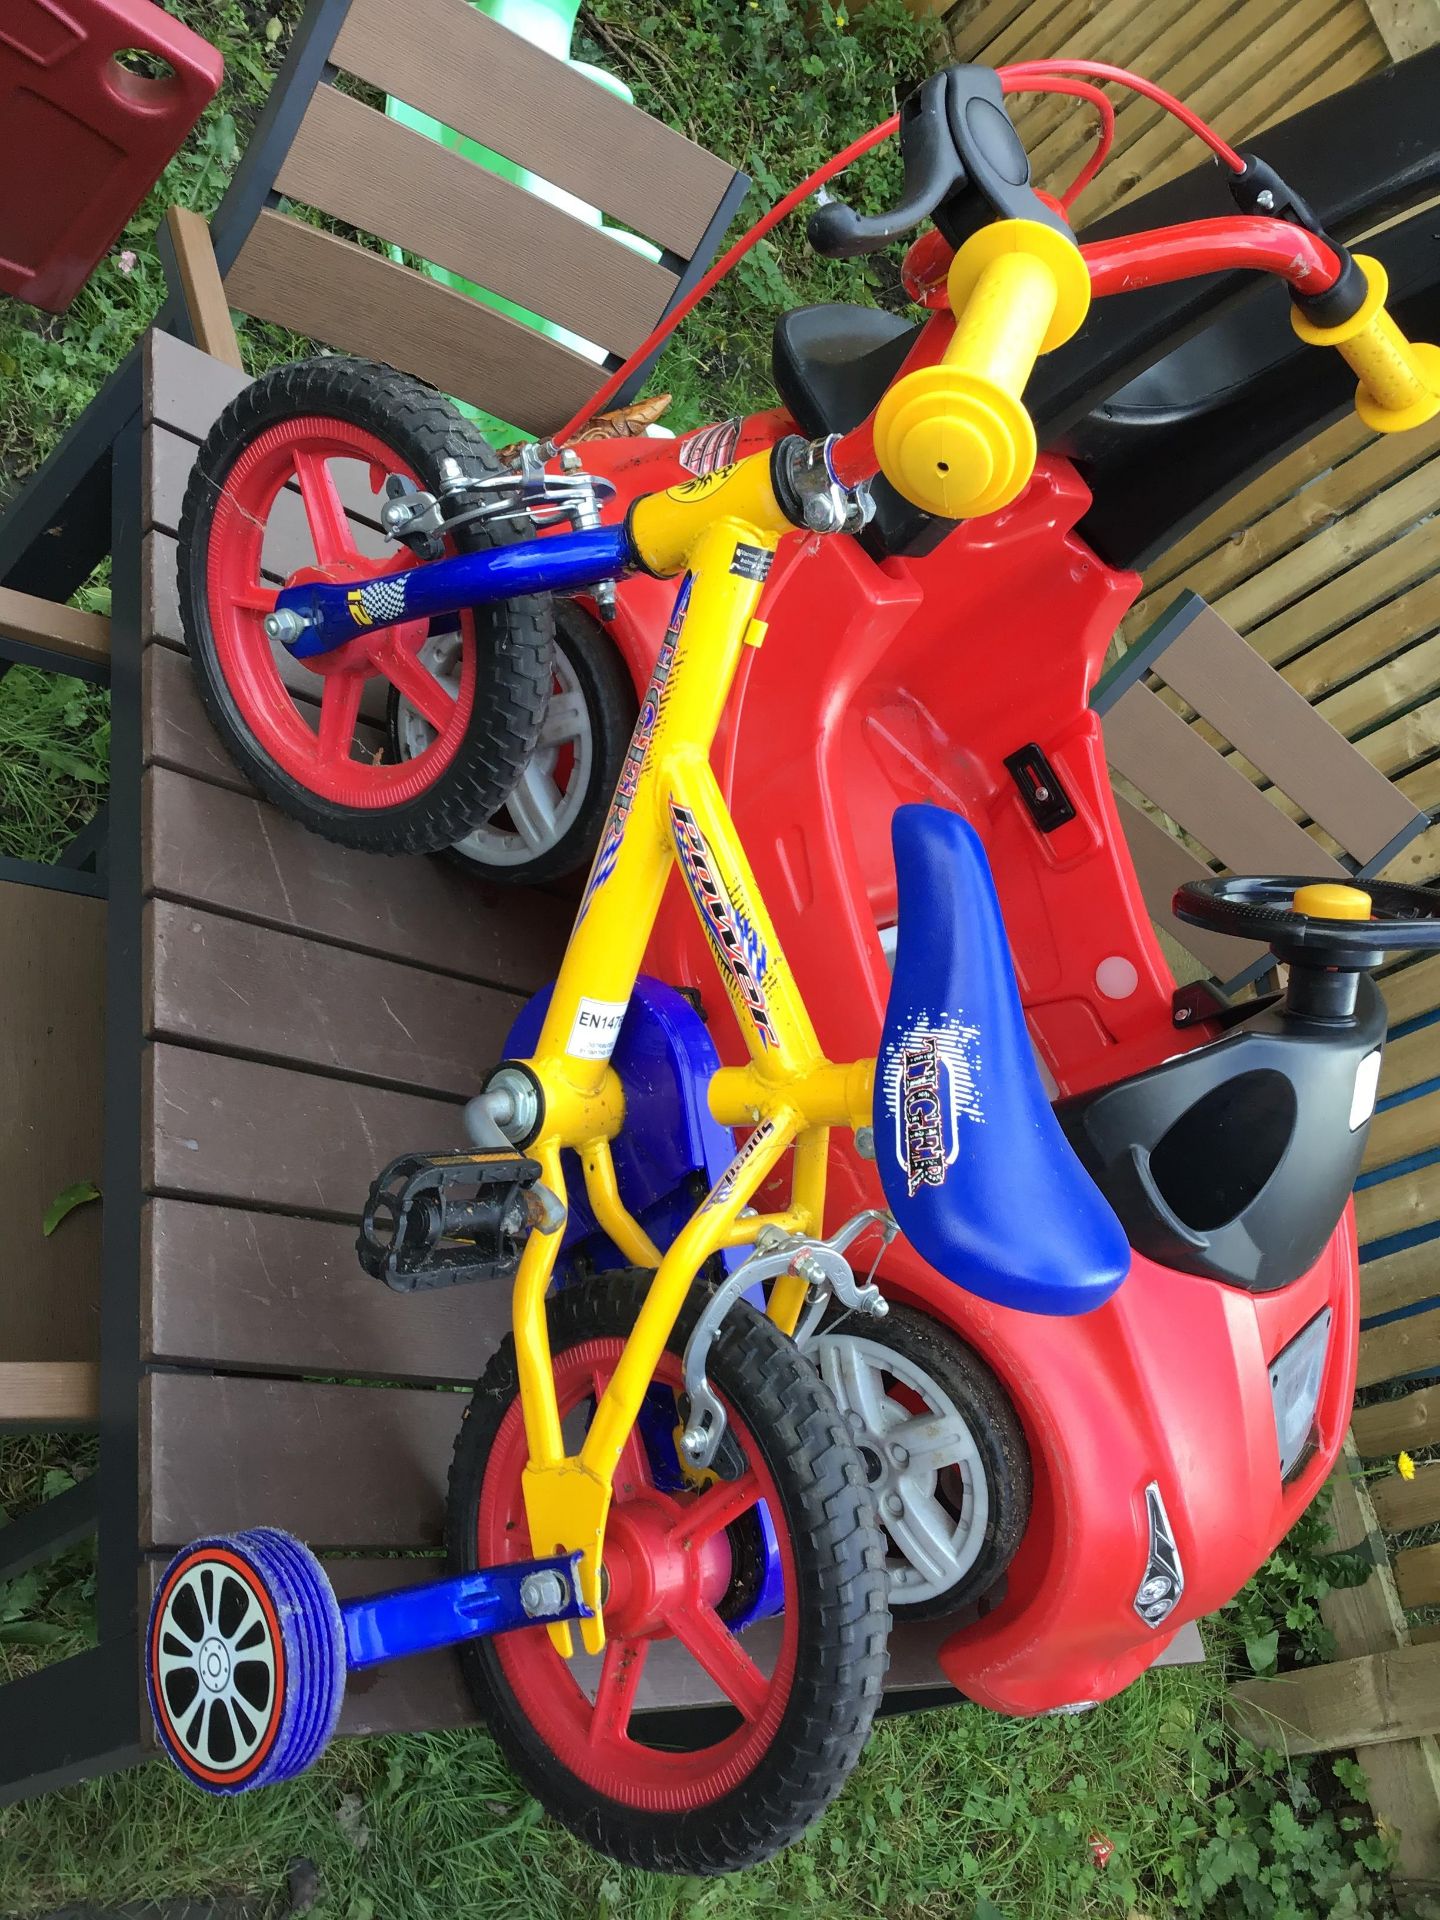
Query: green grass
[(54, 760), (955, 1816), (947, 1810)]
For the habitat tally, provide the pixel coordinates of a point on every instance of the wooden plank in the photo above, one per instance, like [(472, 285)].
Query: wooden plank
[(1402, 1776), (1353, 592), (1055, 131), (52, 1033), (1188, 48), (1400, 1347), (1375, 637), (201, 287), (1411, 1060), (221, 850), (1422, 785), (329, 289), (160, 591), (384, 178), (339, 1466), (173, 718), (1401, 742), (1213, 669), (242, 1291), (64, 631), (1369, 1617), (1419, 864), (1339, 547), (539, 111), (1417, 1576), (1161, 866), (1413, 990), (176, 731), (1398, 1206), (166, 462), (35, 1394), (236, 1131), (1394, 684), (974, 25), (1394, 1694), (1401, 1504), (184, 388), (1406, 26), (1234, 96), (1267, 490), (1255, 544), (1411, 1421), (1197, 787), (213, 981), (1412, 1127), (1330, 66), (1400, 1279)]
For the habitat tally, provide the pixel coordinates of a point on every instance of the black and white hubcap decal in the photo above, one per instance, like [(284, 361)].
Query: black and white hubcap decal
[(216, 1666)]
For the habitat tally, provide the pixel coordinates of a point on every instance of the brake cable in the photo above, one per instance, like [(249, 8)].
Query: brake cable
[(1026, 76), (728, 260)]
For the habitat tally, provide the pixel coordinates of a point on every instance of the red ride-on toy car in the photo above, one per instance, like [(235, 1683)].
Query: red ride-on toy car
[(916, 663)]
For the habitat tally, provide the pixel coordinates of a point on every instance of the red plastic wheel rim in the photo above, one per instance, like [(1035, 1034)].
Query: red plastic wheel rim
[(591, 1740), (317, 747)]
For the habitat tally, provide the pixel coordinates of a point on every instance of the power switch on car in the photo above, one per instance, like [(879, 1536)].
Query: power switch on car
[(1047, 802)]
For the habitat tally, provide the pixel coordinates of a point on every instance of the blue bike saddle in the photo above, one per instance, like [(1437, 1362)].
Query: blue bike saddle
[(975, 1168)]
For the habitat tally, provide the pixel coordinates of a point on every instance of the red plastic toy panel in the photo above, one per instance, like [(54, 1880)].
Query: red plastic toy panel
[(83, 138)]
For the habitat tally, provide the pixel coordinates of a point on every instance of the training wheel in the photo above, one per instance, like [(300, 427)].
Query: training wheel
[(245, 1660)]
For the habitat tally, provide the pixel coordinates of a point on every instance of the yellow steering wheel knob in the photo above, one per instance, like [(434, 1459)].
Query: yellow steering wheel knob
[(1326, 900)]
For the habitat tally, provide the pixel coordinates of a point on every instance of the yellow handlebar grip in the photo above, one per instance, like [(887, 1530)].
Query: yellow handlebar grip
[(1399, 379), (955, 438)]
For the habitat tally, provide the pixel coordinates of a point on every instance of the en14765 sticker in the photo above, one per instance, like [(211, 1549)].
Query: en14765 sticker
[(595, 1028)]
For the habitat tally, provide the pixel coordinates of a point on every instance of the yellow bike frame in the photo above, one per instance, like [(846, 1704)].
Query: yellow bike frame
[(721, 532)]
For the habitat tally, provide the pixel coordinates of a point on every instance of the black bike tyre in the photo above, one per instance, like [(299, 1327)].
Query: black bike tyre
[(513, 639)]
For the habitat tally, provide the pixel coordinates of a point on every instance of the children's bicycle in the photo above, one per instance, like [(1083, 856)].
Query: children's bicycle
[(654, 1465)]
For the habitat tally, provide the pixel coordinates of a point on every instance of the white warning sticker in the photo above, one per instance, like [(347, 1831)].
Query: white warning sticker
[(596, 1028)]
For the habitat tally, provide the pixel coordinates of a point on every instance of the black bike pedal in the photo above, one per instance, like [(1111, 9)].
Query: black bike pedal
[(444, 1219)]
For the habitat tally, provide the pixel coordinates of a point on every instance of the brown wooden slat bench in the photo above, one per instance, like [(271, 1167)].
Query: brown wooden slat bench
[(1248, 721), (283, 1016), (357, 999)]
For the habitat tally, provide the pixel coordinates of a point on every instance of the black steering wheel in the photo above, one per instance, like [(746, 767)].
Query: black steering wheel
[(1314, 923)]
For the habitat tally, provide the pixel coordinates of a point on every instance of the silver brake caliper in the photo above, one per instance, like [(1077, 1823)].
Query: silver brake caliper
[(822, 1264)]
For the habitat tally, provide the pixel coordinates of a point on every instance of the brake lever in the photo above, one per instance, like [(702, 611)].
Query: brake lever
[(932, 174)]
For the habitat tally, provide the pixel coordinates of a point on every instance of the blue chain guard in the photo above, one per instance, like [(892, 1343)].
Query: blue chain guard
[(671, 1150), (668, 1155)]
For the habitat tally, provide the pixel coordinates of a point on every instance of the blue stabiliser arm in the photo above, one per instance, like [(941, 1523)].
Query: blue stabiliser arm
[(324, 617), (468, 1606)]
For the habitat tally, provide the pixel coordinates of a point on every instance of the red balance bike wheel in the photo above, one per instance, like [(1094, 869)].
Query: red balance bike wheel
[(287, 489), (715, 1789)]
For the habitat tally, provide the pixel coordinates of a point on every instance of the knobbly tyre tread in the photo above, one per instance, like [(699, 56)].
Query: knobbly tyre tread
[(839, 1551), (514, 637), (609, 693), (989, 1413)]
